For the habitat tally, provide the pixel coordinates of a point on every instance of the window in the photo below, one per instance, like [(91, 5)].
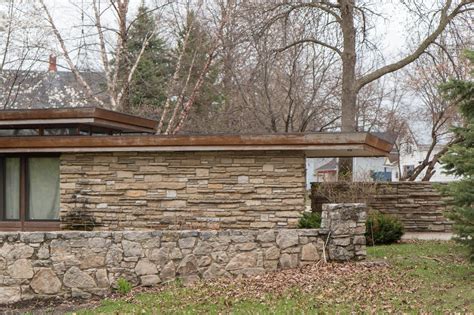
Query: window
[(408, 170), (29, 192)]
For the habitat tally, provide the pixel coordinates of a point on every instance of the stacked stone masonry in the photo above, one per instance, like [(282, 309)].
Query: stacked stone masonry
[(182, 190), (38, 265), (419, 205)]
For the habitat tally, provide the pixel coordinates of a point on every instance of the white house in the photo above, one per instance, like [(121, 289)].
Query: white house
[(414, 154)]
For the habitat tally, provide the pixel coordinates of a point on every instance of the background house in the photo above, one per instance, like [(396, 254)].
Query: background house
[(365, 169), (413, 154), (381, 169), (326, 172), (47, 88)]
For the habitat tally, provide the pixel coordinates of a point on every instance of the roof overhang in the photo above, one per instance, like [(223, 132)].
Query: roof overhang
[(357, 144), (92, 117)]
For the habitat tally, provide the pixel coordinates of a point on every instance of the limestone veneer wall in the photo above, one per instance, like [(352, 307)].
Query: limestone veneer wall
[(85, 264), (182, 190), (419, 205)]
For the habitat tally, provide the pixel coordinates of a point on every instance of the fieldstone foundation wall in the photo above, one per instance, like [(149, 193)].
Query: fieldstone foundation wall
[(346, 226), (182, 190), (419, 205), (84, 264)]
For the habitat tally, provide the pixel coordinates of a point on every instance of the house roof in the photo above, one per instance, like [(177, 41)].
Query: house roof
[(330, 166), (313, 144), (88, 119), (22, 89)]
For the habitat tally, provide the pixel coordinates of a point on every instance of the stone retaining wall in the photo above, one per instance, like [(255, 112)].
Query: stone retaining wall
[(84, 264), (419, 205), (182, 190)]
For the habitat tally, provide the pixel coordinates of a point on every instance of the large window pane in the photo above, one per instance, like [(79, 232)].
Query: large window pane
[(43, 188), (12, 188)]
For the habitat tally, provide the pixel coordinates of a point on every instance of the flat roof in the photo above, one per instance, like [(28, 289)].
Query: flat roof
[(85, 118), (338, 144)]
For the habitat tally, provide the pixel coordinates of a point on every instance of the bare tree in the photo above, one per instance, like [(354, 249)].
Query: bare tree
[(183, 91), (21, 51), (119, 65), (118, 76), (269, 92), (343, 27), (439, 115)]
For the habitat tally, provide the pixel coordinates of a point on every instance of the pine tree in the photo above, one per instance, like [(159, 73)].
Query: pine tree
[(459, 160), (149, 83)]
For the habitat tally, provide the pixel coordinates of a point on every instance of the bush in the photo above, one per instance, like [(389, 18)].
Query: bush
[(310, 220), (383, 229), (123, 286)]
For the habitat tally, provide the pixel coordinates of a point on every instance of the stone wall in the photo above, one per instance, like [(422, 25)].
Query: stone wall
[(84, 264), (184, 190), (346, 226), (419, 205)]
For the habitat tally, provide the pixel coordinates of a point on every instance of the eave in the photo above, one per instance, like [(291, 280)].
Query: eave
[(82, 116), (313, 144)]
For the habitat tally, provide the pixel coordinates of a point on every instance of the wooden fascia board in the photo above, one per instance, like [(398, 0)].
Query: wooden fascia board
[(356, 150), (377, 142), (202, 140), (76, 115), (52, 122), (338, 144), (126, 119)]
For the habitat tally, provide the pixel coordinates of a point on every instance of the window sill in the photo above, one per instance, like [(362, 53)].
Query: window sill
[(31, 226)]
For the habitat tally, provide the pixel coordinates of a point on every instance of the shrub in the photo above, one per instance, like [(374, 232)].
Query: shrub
[(123, 286), (310, 220), (383, 229)]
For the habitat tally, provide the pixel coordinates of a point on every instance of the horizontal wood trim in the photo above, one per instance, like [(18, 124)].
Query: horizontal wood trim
[(311, 151), (36, 122), (99, 122), (89, 115), (29, 226), (311, 142), (125, 118), (340, 142), (195, 140)]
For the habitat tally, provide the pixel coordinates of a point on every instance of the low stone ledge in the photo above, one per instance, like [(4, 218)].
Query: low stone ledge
[(419, 205), (84, 264)]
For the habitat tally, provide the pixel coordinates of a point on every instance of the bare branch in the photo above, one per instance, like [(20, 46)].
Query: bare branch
[(310, 40), (445, 19), (71, 65)]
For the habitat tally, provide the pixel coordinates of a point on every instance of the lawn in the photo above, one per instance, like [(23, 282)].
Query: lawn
[(424, 276)]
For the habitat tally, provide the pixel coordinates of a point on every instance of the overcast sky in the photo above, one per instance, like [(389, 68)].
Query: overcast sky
[(390, 30)]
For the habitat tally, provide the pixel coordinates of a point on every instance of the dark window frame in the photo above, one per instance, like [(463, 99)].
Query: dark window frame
[(23, 223)]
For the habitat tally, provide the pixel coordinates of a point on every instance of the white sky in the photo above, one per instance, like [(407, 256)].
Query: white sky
[(66, 13)]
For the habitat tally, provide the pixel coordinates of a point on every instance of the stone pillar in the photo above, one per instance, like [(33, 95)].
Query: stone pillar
[(346, 225)]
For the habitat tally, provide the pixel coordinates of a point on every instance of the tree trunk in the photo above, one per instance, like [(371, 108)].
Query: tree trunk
[(124, 63), (349, 91)]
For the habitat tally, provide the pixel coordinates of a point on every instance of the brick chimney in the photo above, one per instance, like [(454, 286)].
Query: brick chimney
[(52, 63)]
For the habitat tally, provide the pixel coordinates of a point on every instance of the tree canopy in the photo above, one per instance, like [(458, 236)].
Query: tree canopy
[(148, 87)]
